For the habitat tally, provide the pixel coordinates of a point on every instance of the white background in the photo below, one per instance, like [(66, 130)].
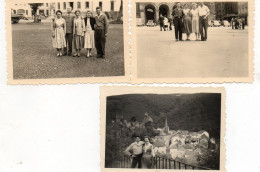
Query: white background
[(55, 128)]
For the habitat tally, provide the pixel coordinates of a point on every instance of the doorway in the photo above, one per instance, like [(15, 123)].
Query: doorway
[(164, 10), (150, 12)]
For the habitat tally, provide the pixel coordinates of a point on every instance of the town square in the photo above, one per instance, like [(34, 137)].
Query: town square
[(192, 40), (48, 42)]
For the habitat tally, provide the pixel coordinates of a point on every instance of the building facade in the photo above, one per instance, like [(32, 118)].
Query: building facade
[(48, 9), (243, 10), (226, 10), (151, 10)]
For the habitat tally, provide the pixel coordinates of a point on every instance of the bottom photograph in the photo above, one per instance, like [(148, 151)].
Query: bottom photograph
[(162, 128)]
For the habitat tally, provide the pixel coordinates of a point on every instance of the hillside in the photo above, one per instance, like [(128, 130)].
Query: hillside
[(191, 112)]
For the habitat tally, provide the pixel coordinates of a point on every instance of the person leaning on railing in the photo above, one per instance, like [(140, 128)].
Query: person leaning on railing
[(135, 150)]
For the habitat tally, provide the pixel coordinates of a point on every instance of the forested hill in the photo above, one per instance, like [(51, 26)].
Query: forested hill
[(191, 112)]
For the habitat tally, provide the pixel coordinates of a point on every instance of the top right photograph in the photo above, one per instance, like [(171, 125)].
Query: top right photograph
[(192, 42)]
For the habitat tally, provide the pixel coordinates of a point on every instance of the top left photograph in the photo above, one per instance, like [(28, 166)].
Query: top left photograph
[(67, 42)]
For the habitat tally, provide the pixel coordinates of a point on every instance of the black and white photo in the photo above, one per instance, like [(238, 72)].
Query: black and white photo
[(205, 41), (162, 128), (78, 40)]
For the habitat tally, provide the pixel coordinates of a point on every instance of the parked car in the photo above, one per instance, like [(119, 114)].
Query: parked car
[(15, 18), (150, 23), (210, 23), (139, 22), (23, 16), (216, 23), (226, 23)]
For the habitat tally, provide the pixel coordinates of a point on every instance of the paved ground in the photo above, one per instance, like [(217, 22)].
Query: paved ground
[(35, 58), (224, 54)]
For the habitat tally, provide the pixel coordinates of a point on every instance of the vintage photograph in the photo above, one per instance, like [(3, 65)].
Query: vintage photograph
[(162, 128), (67, 39), (209, 41)]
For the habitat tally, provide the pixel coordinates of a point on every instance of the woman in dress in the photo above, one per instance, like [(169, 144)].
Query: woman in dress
[(148, 154), (78, 32), (58, 33), (165, 23), (187, 21), (195, 20), (89, 34)]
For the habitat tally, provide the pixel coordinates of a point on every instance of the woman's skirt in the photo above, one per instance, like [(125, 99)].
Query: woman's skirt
[(187, 25), (147, 161), (195, 25), (89, 39), (59, 39), (78, 42)]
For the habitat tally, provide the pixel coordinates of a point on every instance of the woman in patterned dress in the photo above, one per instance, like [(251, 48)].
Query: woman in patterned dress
[(89, 34), (148, 154), (58, 34), (78, 32), (187, 21), (195, 20)]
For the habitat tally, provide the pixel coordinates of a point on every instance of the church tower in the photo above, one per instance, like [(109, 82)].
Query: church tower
[(166, 127)]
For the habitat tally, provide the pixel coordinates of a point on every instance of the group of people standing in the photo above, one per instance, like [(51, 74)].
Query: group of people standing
[(142, 153), (186, 20), (238, 23), (78, 32)]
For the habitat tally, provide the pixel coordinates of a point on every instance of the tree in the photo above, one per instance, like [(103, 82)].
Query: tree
[(120, 13), (34, 7)]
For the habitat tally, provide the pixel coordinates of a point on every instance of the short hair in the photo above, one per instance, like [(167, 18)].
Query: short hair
[(77, 11), (59, 11), (147, 138), (89, 12), (98, 8)]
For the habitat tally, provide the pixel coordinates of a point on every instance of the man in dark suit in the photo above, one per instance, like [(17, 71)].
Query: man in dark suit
[(69, 18), (177, 21), (101, 27)]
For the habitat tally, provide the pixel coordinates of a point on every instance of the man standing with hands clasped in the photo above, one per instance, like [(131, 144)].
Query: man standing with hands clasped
[(101, 27), (136, 150), (203, 20)]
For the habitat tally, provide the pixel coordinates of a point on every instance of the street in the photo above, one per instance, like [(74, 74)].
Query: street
[(35, 58), (224, 54)]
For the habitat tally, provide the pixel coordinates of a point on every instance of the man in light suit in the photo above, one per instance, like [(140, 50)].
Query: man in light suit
[(69, 18), (101, 27)]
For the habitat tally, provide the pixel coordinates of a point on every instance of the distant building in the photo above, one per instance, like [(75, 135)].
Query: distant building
[(110, 7), (159, 146), (243, 10), (226, 10)]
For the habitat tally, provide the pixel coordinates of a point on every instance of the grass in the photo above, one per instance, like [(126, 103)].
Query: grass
[(35, 58)]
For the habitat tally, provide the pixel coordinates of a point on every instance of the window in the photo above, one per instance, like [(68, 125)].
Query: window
[(100, 4), (87, 4), (79, 5), (64, 5), (138, 13), (14, 11), (112, 5), (58, 5), (47, 4), (26, 12), (47, 12)]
